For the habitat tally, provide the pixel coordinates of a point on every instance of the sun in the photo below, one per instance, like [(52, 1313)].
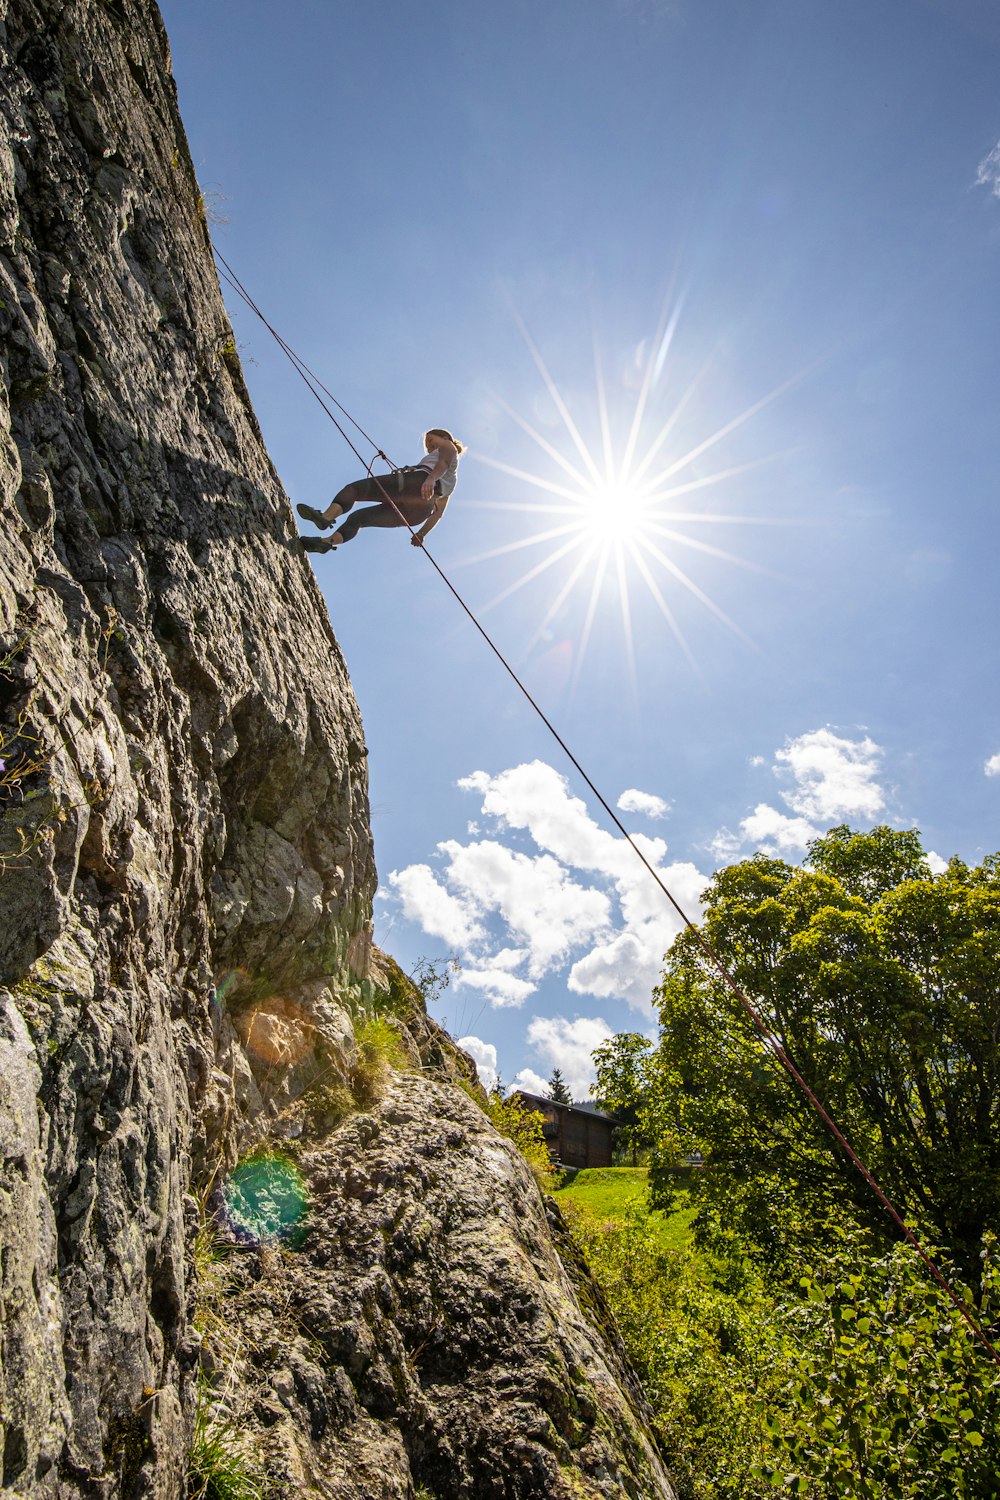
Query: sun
[(612, 507), (618, 511)]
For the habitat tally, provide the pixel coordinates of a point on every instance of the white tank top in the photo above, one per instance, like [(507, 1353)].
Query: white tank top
[(448, 479)]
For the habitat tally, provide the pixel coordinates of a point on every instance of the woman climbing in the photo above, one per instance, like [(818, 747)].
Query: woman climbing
[(413, 496)]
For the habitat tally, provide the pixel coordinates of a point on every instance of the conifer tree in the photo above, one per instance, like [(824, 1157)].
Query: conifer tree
[(557, 1090)]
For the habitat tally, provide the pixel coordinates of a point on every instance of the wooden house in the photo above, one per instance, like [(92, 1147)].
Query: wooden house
[(577, 1135)]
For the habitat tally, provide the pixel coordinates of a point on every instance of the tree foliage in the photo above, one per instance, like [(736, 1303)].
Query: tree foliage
[(884, 1390), (881, 982), (622, 1086)]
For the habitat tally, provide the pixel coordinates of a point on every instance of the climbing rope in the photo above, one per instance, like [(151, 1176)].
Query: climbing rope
[(768, 1038)]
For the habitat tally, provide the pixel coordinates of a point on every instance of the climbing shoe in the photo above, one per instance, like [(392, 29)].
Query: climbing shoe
[(310, 513), (318, 544)]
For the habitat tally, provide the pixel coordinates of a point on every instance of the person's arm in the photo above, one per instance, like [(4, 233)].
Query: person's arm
[(440, 504), (445, 453)]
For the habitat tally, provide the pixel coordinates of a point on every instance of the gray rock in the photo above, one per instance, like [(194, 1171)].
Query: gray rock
[(427, 1300), (189, 738), (186, 877)]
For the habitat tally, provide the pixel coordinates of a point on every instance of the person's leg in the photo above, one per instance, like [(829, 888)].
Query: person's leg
[(368, 488), (371, 487), (360, 489), (407, 510)]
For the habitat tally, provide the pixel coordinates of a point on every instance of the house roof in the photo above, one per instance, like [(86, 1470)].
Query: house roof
[(578, 1108)]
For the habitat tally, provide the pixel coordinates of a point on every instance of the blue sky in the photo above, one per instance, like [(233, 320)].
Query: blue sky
[(710, 293)]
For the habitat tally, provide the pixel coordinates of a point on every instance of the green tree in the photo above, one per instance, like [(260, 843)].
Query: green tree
[(880, 981), (557, 1090), (623, 1085)]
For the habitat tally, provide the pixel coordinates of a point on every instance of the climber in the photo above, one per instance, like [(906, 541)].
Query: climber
[(417, 495)]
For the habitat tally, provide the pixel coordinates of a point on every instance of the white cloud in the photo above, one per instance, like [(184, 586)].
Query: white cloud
[(629, 964), (827, 779), (531, 1082), (546, 911), (646, 803), (775, 832), (484, 1055), (833, 777), (426, 902), (508, 958), (501, 989), (567, 1045), (992, 766), (535, 797), (583, 900), (725, 845), (988, 171), (622, 967), (937, 864)]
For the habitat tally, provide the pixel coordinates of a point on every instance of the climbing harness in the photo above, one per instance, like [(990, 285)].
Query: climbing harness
[(767, 1037)]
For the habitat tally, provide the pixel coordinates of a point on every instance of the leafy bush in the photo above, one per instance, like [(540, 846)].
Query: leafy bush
[(863, 1384), (705, 1353), (524, 1128), (886, 1391)]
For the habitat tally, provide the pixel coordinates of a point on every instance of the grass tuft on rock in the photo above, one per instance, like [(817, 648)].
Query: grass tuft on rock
[(217, 1468), (379, 1050)]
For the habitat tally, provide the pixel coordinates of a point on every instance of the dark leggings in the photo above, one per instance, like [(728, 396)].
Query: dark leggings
[(403, 488), (415, 513)]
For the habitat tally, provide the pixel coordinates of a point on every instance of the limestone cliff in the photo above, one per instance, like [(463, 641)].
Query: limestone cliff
[(187, 875)]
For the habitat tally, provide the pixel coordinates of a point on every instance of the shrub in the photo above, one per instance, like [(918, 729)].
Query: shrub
[(886, 1390), (524, 1128), (704, 1353)]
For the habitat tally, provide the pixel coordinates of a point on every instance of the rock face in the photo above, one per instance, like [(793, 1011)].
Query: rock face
[(187, 874), (426, 1330)]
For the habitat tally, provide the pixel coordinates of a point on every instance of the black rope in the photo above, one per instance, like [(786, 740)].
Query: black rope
[(312, 380), (757, 1020)]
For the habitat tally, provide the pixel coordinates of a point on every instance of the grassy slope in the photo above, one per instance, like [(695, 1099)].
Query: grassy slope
[(608, 1193)]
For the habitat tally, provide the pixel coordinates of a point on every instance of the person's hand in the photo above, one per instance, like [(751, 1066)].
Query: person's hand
[(416, 540), (427, 490)]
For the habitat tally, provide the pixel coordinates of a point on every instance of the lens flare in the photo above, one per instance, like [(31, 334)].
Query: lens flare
[(276, 1031), (265, 1200), (227, 982)]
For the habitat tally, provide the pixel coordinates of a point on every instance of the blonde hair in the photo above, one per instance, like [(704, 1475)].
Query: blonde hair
[(442, 432)]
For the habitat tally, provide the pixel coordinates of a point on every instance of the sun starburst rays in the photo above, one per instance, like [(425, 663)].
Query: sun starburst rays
[(611, 506)]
